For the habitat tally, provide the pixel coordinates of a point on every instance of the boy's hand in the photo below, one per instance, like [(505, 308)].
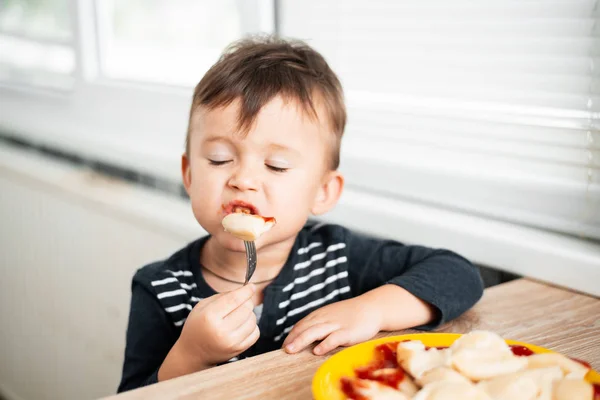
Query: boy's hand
[(220, 327), (339, 324), (348, 322)]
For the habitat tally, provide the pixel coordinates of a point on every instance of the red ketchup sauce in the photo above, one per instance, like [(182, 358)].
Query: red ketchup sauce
[(349, 391), (385, 357), (520, 351), (387, 353)]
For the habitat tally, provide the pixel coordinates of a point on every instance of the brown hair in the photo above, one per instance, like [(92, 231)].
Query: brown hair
[(256, 69)]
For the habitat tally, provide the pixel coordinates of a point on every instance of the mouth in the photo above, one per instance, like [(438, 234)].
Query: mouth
[(238, 206)]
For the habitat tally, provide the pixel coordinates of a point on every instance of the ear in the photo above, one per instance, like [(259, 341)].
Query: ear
[(328, 193), (186, 172)]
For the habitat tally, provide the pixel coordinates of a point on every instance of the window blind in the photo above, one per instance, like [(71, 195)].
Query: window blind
[(486, 108)]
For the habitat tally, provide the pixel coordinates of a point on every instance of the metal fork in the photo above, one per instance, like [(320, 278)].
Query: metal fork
[(250, 260)]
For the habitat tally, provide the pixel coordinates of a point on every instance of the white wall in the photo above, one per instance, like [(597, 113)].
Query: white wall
[(66, 262)]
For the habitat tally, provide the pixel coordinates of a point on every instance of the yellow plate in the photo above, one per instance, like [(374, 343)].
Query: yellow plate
[(326, 382)]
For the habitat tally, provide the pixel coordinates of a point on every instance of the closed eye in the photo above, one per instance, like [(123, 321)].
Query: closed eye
[(215, 162), (276, 169)]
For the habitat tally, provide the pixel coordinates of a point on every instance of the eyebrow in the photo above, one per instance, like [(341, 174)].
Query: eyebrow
[(280, 147), (272, 146), (216, 138)]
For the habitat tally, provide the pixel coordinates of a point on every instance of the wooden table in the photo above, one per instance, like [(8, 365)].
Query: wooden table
[(522, 310)]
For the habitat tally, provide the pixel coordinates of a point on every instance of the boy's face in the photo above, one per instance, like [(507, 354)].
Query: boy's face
[(279, 167)]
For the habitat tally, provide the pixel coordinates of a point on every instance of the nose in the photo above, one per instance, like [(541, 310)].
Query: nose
[(244, 179)]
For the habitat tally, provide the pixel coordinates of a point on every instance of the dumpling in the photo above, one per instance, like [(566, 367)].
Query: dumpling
[(416, 359), (484, 364), (482, 355), (525, 385), (441, 374), (571, 369), (247, 227), (480, 340), (573, 389), (369, 389), (450, 390), (406, 384)]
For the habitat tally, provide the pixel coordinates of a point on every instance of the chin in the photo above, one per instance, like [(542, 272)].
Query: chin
[(230, 242)]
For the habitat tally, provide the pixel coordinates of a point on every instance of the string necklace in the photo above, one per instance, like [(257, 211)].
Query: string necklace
[(232, 281)]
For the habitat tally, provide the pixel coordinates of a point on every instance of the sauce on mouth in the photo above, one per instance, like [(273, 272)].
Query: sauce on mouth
[(239, 207)]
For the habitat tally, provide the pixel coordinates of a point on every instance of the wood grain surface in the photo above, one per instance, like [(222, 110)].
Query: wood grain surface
[(523, 310)]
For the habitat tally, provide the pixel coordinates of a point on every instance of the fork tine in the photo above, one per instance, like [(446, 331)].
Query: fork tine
[(250, 260), (247, 278)]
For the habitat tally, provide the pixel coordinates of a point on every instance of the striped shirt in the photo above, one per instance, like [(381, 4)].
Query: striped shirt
[(327, 264)]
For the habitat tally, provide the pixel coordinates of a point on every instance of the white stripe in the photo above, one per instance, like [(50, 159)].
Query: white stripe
[(194, 298), (319, 256), (188, 287), (308, 248), (233, 359), (335, 247), (179, 323), (314, 288), (169, 280), (313, 304), (171, 293), (181, 273), (178, 307), (315, 272), (284, 304), (285, 331), (307, 263), (163, 281)]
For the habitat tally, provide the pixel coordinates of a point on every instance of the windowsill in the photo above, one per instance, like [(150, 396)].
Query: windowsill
[(550, 257)]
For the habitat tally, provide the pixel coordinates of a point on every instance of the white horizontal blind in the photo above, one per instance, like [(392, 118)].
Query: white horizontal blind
[(489, 108)]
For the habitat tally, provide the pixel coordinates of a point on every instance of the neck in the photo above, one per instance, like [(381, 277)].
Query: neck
[(232, 264)]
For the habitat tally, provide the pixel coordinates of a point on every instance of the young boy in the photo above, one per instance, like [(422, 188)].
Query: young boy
[(264, 135)]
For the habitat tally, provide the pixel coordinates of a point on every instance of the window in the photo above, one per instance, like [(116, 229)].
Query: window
[(36, 43), (484, 108), (138, 61), (172, 42)]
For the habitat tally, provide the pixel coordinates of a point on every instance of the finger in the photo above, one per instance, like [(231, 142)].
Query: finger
[(232, 300), (300, 327), (337, 338), (310, 335), (209, 300), (237, 317), (250, 339), (239, 335)]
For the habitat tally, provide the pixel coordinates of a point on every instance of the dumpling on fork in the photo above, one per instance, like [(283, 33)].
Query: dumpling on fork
[(248, 227)]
